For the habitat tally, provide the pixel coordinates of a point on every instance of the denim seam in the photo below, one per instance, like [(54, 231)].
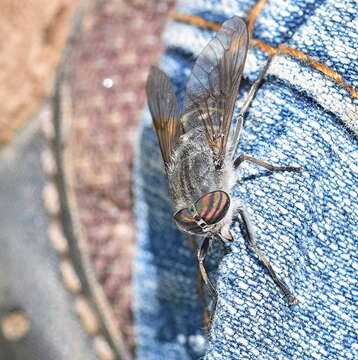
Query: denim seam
[(282, 49)]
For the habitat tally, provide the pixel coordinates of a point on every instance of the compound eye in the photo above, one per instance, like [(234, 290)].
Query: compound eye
[(213, 206), (186, 221)]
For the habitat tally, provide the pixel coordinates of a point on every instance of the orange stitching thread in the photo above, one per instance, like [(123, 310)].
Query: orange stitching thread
[(282, 49), (263, 46), (254, 12), (196, 20)]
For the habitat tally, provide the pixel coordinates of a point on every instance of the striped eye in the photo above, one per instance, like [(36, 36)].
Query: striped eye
[(185, 219), (213, 206)]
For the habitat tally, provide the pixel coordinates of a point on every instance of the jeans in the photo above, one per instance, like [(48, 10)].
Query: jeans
[(305, 223)]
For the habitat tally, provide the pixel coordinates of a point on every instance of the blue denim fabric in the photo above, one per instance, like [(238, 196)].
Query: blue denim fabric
[(306, 223)]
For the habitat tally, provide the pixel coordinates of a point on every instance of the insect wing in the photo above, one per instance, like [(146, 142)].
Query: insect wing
[(164, 109), (214, 82), (213, 206)]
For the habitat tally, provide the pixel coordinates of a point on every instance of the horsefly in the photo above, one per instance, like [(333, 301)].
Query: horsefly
[(198, 145)]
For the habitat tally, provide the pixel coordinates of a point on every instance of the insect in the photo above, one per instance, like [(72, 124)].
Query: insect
[(198, 144)]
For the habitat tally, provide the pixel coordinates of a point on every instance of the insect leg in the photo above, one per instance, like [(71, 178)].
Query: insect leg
[(206, 313), (263, 259), (203, 250), (254, 87), (265, 165), (246, 105), (200, 284)]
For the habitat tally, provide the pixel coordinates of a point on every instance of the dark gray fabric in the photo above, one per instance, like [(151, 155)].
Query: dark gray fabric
[(29, 275)]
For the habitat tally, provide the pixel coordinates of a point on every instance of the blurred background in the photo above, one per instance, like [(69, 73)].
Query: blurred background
[(72, 92)]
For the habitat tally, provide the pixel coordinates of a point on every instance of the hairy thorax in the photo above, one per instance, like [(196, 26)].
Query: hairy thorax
[(192, 172)]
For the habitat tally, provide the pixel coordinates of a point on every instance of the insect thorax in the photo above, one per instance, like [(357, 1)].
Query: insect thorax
[(192, 172)]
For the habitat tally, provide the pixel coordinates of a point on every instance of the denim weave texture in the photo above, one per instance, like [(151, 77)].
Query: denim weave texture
[(306, 224)]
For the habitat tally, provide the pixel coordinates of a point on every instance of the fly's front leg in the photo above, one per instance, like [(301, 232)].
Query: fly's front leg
[(202, 252), (200, 284), (263, 259), (265, 165)]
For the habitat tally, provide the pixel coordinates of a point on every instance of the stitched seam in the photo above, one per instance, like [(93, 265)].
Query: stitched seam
[(254, 12), (281, 49)]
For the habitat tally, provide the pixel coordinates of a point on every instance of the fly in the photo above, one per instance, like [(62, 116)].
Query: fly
[(198, 144)]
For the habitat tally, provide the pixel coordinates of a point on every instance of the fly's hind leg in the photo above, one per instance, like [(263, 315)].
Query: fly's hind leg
[(265, 165), (246, 105), (254, 87), (202, 252), (240, 120), (252, 242)]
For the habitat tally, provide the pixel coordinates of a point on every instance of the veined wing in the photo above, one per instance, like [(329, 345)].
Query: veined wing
[(165, 111), (213, 85)]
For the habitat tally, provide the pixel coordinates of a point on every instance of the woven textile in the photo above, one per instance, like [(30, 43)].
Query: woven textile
[(306, 224)]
